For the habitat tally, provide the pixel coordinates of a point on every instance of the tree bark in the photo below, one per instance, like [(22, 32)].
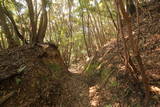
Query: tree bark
[(3, 23), (33, 23), (5, 12), (43, 23), (136, 53)]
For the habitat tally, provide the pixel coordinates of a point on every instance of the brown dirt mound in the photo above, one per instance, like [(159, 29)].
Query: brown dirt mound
[(35, 76)]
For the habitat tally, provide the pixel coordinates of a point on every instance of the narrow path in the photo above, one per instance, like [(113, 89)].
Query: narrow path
[(93, 93), (76, 68)]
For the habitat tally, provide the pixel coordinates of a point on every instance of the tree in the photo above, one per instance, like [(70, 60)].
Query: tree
[(37, 34), (130, 65), (5, 28), (131, 8), (38, 24)]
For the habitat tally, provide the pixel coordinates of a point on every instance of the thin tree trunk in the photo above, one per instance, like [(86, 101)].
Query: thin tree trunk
[(50, 27), (95, 33), (3, 22), (113, 21), (3, 42), (5, 12), (136, 53), (89, 34), (43, 23), (33, 33), (83, 27), (101, 26)]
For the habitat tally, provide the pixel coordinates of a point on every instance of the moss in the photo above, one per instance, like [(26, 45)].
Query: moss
[(91, 68), (55, 67)]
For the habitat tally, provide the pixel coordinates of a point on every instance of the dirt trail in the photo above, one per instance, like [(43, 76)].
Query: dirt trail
[(119, 89)]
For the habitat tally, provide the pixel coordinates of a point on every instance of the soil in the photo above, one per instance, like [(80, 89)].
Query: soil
[(118, 88), (35, 76)]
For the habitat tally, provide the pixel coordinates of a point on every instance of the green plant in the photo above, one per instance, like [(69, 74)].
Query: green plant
[(114, 83), (21, 68), (108, 105), (18, 81), (54, 67), (91, 68)]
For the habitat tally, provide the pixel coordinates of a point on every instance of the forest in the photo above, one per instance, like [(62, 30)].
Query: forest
[(79, 53)]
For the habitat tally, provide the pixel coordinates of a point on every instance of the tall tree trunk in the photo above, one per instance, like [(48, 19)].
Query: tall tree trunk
[(113, 21), (10, 17), (90, 38), (2, 40), (136, 53), (83, 27), (33, 21), (43, 23), (101, 26), (95, 31), (3, 23)]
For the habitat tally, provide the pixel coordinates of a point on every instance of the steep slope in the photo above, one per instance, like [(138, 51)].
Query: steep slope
[(36, 76), (115, 86)]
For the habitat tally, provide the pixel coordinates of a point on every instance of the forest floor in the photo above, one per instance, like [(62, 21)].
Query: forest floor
[(112, 84)]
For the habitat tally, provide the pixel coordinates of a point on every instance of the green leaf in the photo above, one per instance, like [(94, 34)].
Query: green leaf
[(54, 67), (21, 69), (114, 83), (18, 81), (108, 105)]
